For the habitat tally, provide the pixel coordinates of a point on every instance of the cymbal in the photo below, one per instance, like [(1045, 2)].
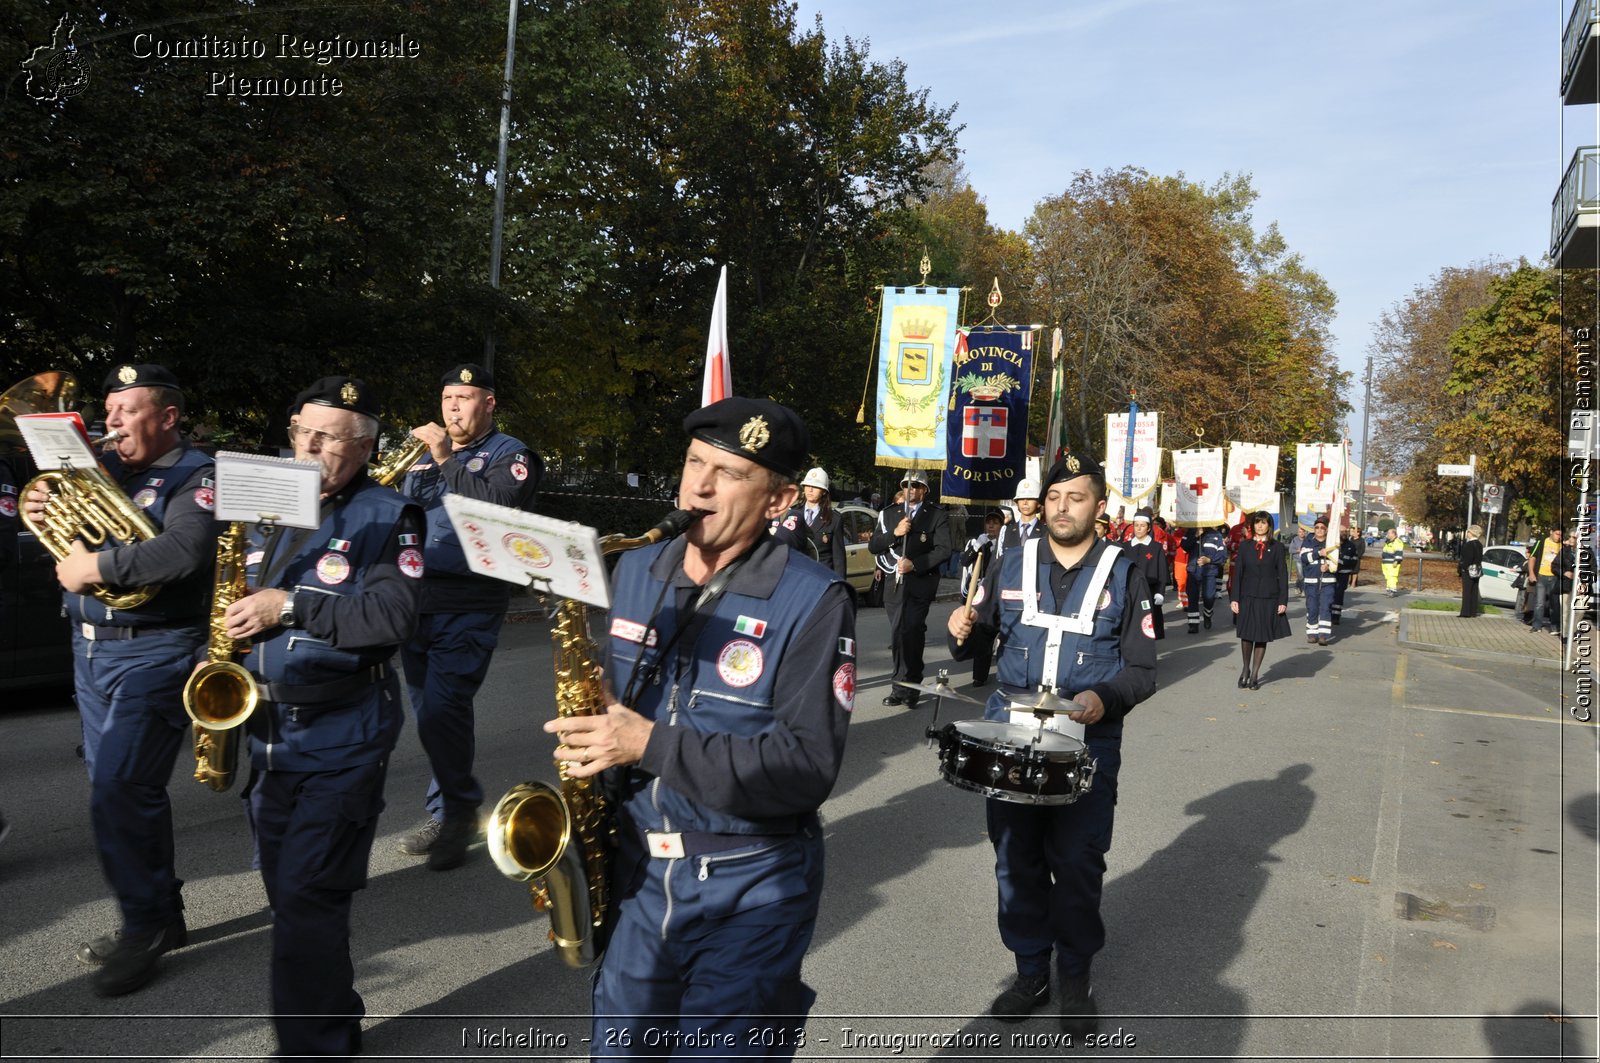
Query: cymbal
[(1039, 702), (939, 690)]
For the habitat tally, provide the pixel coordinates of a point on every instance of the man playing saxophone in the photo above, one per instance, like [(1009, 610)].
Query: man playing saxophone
[(461, 613), (130, 664), (325, 614), (733, 658)]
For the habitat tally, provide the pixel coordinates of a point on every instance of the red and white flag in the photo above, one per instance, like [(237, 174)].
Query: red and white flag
[(718, 381)]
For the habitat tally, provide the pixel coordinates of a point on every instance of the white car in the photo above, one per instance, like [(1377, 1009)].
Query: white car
[(1501, 565)]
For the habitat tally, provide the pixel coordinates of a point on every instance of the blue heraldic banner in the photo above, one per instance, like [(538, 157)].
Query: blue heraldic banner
[(987, 431), (915, 342)]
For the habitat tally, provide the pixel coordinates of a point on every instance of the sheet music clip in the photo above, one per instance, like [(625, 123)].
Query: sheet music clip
[(265, 522)]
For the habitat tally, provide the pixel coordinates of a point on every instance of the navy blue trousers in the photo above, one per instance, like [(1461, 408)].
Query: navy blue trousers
[(445, 661), (1050, 861), (690, 970), (1319, 606), (130, 697), (314, 831)]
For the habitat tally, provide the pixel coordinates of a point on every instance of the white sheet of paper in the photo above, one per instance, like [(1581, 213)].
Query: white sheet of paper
[(522, 548), (56, 440), (255, 488)]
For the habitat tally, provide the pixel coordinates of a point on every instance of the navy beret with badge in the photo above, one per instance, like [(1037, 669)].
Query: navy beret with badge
[(1071, 466), (339, 392), (124, 377), (468, 374), (758, 429)]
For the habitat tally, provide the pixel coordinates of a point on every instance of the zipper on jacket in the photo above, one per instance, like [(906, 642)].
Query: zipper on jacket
[(707, 861)]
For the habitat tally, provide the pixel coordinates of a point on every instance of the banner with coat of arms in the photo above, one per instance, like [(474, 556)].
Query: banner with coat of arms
[(1319, 476), (916, 342), (986, 437), (1133, 460), (1197, 486), (1252, 481)]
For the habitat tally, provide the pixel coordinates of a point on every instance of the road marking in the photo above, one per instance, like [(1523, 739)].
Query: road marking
[(1499, 715)]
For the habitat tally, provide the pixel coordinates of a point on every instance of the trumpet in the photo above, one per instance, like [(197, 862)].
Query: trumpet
[(397, 462)]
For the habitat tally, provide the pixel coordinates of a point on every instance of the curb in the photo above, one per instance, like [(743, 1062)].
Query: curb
[(1462, 651)]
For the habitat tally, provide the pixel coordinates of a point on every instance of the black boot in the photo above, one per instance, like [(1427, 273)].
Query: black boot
[(1078, 1014), (1028, 993)]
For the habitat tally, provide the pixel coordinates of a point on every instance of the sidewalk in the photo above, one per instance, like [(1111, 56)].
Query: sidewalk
[(1494, 637)]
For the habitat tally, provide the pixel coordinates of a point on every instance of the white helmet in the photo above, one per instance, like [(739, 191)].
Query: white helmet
[(1028, 489), (816, 478)]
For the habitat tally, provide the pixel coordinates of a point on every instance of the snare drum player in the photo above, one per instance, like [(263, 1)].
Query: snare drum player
[(1073, 615)]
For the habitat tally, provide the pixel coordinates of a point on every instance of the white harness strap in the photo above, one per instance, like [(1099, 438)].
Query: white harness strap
[(1079, 623)]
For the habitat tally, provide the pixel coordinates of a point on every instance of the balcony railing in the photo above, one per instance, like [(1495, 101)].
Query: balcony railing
[(1580, 24), (1579, 196)]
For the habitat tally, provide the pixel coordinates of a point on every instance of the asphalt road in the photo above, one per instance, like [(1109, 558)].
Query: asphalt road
[(1380, 854)]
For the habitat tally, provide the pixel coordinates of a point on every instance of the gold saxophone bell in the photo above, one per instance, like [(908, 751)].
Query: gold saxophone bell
[(220, 695)]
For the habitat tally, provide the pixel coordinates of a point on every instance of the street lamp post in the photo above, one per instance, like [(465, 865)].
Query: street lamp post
[(1366, 413)]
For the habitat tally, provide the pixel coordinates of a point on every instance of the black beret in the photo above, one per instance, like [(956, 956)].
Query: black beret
[(1071, 466), (1321, 519), (470, 375), (140, 376), (340, 392), (759, 429)]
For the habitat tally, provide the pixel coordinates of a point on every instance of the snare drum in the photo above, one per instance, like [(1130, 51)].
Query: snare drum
[(1009, 762)]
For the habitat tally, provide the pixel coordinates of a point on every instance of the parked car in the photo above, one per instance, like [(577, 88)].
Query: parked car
[(35, 649), (1501, 564), (861, 567)]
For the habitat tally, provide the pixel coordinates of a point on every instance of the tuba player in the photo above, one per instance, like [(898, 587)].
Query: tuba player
[(130, 665)]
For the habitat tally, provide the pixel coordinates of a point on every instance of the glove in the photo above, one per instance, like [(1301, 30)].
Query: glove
[(982, 540), (1158, 599)]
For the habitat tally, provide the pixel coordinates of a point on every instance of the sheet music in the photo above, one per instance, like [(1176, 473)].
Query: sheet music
[(523, 548), (56, 440), (255, 487)]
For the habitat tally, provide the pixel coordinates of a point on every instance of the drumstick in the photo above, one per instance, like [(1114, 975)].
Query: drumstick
[(972, 588)]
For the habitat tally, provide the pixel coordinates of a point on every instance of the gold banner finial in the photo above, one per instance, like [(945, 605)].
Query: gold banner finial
[(995, 298), (926, 266)]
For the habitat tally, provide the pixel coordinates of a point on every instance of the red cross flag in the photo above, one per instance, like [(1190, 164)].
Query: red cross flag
[(983, 432), (1197, 480), (1252, 481), (1319, 476)]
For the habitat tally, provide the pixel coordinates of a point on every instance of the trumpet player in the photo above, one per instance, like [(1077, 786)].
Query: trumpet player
[(461, 612), (130, 663), (327, 610), (733, 658)]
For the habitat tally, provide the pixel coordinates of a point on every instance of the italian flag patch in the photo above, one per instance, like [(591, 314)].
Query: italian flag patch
[(408, 540), (749, 625), (339, 544)]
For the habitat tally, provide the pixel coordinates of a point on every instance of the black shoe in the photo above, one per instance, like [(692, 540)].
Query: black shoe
[(420, 841), (980, 682), (1026, 995), (132, 962), (1255, 682), (894, 699), (96, 952), (1207, 623), (449, 849), (1078, 1014), (1244, 680), (912, 700)]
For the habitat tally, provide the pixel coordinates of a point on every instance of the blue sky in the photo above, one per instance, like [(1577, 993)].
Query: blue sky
[(1387, 138)]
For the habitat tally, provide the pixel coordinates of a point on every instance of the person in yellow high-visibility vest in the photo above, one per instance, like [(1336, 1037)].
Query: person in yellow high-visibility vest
[(1394, 552)]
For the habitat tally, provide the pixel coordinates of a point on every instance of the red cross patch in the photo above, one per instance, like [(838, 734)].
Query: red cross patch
[(410, 562), (844, 686)]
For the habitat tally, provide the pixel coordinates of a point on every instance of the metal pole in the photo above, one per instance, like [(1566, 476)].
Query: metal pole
[(1366, 411), (500, 177)]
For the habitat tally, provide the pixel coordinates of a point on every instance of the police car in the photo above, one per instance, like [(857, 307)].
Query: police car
[(1501, 566)]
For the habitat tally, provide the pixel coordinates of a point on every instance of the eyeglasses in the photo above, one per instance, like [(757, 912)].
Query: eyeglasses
[(323, 440)]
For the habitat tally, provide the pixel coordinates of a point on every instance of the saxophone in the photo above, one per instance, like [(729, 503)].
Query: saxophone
[(220, 695), (558, 839)]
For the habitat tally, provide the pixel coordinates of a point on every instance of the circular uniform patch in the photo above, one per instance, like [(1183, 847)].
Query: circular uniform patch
[(410, 562), (333, 568), (1148, 625), (1105, 600), (740, 663), (519, 470), (145, 497), (844, 686), (983, 592), (790, 522), (205, 498), (8, 506), (475, 465)]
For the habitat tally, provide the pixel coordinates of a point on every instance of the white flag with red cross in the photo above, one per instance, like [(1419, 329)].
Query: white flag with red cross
[(1252, 481), (1197, 486), (1319, 476)]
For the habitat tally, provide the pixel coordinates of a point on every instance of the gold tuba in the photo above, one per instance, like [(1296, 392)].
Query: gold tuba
[(84, 503), (220, 695), (559, 838), (397, 462)]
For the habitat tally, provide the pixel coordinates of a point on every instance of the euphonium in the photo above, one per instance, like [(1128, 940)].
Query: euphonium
[(397, 462), (87, 504), (558, 838), (220, 695)]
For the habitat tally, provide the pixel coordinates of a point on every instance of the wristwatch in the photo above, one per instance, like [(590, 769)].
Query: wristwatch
[(286, 614)]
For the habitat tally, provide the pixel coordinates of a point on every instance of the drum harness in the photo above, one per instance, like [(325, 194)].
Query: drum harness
[(1079, 623)]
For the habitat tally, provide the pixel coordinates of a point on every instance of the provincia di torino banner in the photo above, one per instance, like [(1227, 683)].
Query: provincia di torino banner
[(986, 435)]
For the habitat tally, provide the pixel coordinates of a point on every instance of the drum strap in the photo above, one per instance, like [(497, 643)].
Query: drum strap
[(1079, 623)]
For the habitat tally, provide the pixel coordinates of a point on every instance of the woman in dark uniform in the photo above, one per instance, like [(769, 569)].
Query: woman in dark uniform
[(1469, 566), (1260, 596)]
